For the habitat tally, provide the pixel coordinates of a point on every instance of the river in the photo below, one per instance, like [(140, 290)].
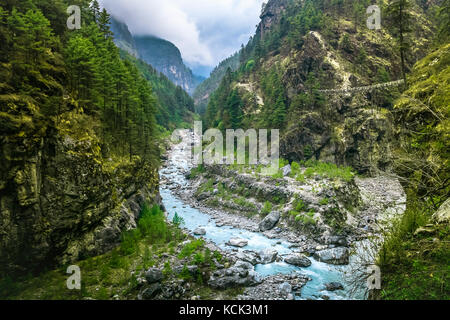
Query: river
[(320, 273)]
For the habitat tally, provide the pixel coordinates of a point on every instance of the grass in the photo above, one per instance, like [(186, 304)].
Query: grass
[(415, 266), (267, 208), (327, 170)]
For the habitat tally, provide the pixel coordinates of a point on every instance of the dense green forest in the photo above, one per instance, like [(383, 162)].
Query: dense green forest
[(175, 106), (48, 71), (206, 88)]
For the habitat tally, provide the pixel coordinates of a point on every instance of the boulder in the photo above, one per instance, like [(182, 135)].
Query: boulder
[(248, 256), (270, 221), (192, 270), (200, 231), (298, 259), (337, 240), (203, 196), (286, 170), (285, 288), (243, 265), (333, 286), (237, 242), (267, 256), (236, 276), (151, 292), (153, 275), (337, 256)]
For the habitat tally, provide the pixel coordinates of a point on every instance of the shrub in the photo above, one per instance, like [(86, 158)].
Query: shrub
[(190, 248), (177, 220), (267, 208)]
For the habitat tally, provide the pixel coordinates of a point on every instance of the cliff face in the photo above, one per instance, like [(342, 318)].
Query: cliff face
[(123, 37), (165, 57), (305, 72), (60, 200), (271, 15), (161, 54)]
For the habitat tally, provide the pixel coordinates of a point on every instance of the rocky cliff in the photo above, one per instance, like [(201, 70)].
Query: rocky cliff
[(165, 57), (60, 200), (302, 71), (123, 37)]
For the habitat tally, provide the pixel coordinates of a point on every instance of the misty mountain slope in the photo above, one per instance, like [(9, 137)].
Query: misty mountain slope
[(161, 54), (300, 48), (123, 37), (165, 57), (206, 88), (175, 107)]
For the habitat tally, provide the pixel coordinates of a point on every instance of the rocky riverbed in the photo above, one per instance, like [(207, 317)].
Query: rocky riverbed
[(270, 256)]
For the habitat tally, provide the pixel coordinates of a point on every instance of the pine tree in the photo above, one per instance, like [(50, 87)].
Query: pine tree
[(401, 20)]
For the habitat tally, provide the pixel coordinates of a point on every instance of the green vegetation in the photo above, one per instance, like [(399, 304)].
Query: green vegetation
[(105, 275), (415, 264), (174, 106), (49, 73), (206, 88), (415, 255), (328, 170), (267, 208)]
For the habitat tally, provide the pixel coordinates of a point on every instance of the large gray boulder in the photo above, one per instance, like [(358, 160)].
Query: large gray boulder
[(248, 256), (285, 288), (237, 242), (334, 286), (270, 221), (267, 256), (337, 256), (237, 276), (153, 275), (298, 259), (200, 231), (286, 170)]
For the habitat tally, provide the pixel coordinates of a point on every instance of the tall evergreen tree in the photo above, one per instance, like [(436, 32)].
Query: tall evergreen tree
[(401, 21)]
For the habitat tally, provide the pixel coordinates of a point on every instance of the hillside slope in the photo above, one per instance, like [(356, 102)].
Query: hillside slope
[(303, 47), (165, 57), (203, 92)]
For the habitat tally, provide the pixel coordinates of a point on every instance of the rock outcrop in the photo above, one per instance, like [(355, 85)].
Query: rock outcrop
[(337, 256), (270, 221), (59, 202)]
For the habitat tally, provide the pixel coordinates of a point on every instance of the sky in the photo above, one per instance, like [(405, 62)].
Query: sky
[(205, 31)]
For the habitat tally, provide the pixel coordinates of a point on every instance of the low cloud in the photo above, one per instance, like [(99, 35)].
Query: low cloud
[(206, 31)]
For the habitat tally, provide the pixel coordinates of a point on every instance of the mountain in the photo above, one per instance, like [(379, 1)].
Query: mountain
[(165, 57), (161, 54), (203, 92), (302, 49), (175, 108), (123, 37), (174, 105)]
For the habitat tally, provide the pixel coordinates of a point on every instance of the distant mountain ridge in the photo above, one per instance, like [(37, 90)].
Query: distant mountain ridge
[(161, 54), (123, 37), (206, 88)]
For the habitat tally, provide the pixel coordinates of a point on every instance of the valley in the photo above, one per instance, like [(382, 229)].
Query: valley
[(356, 206)]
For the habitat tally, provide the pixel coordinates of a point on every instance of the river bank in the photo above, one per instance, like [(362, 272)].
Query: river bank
[(265, 254)]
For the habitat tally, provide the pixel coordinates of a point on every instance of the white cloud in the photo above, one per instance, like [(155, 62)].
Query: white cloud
[(206, 31)]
